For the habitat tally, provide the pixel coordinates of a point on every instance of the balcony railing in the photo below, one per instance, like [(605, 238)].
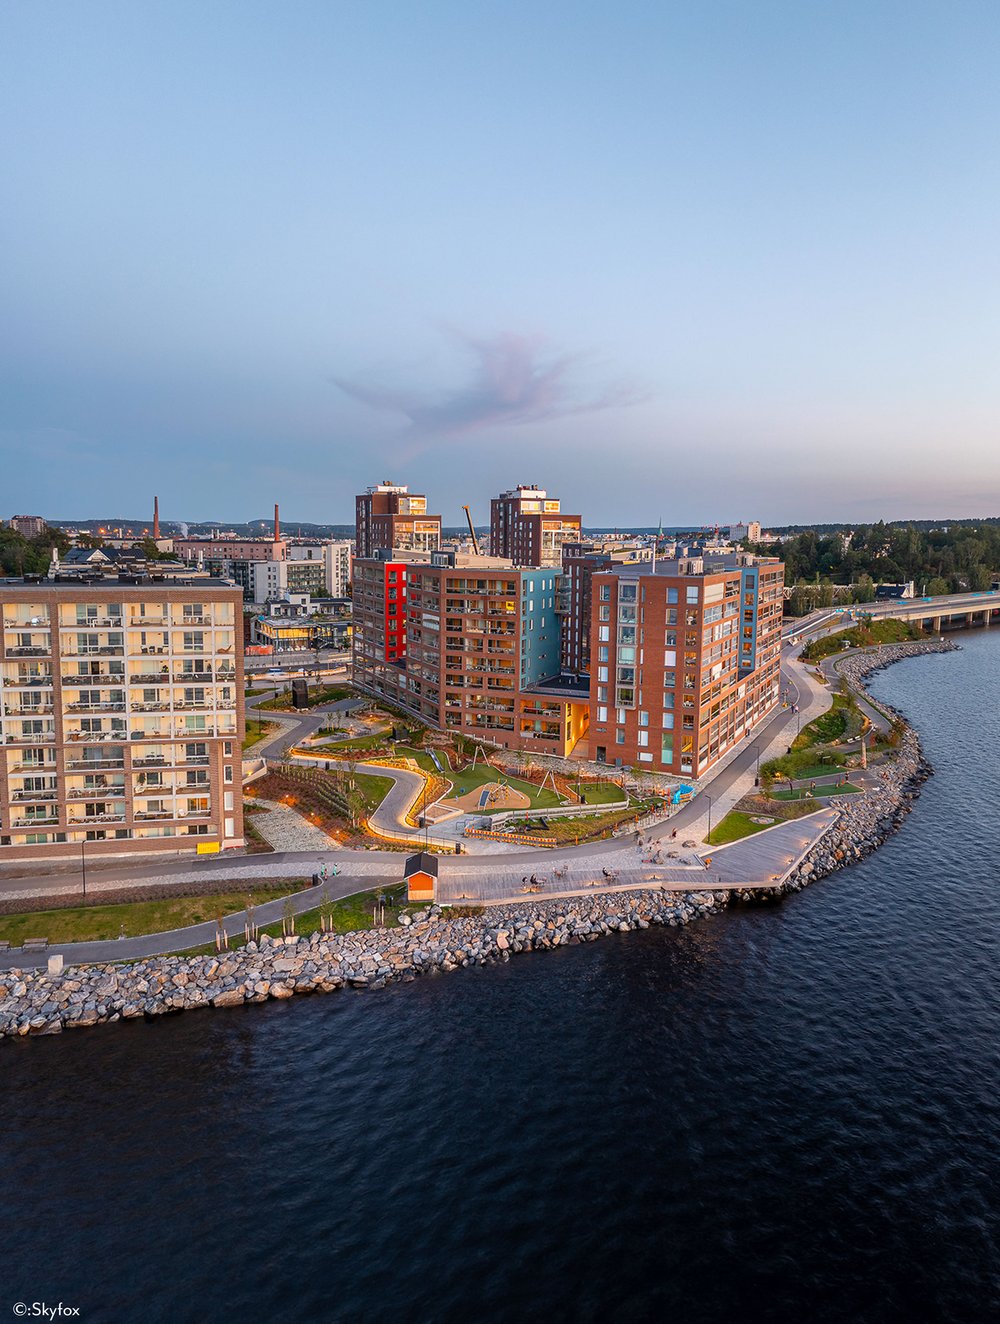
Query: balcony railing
[(48, 820), (149, 815), (96, 737), (152, 706), (108, 707), (35, 795), (92, 765), (28, 623), (45, 738), (39, 682), (95, 650), (30, 710), (114, 792), (25, 651), (94, 623)]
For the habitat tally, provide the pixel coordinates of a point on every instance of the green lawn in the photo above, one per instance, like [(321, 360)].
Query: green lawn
[(258, 730), (96, 923), (348, 746), (738, 824), (480, 775), (421, 758), (252, 694), (349, 915), (802, 792), (831, 726), (600, 793), (373, 788), (318, 694), (862, 636)]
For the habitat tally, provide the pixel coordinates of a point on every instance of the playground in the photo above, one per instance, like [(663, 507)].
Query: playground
[(491, 796)]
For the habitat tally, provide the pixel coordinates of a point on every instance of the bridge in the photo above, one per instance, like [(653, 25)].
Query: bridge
[(950, 610)]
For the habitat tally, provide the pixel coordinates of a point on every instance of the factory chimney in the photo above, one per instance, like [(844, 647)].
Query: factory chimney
[(277, 526), (156, 518)]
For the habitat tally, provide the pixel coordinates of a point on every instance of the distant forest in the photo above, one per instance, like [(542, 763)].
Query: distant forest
[(962, 555)]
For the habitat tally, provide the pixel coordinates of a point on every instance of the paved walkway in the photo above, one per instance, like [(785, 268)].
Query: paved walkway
[(285, 828), (194, 935)]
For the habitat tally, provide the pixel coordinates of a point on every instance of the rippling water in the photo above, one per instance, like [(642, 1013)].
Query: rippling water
[(788, 1112)]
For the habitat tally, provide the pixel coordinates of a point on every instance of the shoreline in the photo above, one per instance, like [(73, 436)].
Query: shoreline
[(35, 1003)]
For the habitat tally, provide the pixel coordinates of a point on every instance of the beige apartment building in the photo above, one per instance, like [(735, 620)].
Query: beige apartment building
[(121, 717)]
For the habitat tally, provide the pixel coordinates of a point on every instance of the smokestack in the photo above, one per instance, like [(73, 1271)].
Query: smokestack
[(156, 517), (277, 526)]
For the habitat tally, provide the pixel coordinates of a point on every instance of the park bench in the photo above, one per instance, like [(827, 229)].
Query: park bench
[(4, 945), (34, 944)]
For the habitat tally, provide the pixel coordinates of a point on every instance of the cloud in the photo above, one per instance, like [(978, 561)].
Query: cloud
[(515, 380)]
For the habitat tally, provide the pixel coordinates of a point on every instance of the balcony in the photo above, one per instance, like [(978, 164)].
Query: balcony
[(35, 795), (31, 710), (150, 678), (148, 620), (96, 737), (113, 792), (97, 818), (150, 815), (91, 765), (95, 650), (45, 738), (25, 623), (25, 651), (40, 682), (109, 707), (152, 706), (35, 822), (94, 623)]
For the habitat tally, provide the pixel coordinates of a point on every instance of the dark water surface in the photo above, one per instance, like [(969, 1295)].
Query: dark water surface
[(785, 1113)]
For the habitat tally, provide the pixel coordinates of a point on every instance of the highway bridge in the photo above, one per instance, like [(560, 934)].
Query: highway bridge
[(951, 611)]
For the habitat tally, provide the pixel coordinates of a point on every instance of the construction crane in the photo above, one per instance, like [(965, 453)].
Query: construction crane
[(472, 531)]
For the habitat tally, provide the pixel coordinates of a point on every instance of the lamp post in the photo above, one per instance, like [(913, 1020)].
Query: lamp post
[(83, 865), (756, 775), (709, 838)]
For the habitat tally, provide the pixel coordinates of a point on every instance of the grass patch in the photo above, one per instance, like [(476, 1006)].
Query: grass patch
[(862, 636), (470, 779), (98, 923), (373, 789), (349, 746), (318, 694), (600, 793), (421, 758), (258, 730), (820, 793), (738, 823)]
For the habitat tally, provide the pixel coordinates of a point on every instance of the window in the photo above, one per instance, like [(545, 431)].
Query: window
[(227, 773), (602, 714), (619, 736), (604, 633), (602, 653), (692, 593), (671, 595), (643, 719), (643, 738), (605, 593)]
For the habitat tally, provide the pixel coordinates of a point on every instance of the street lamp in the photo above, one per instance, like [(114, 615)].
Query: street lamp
[(709, 838), (83, 865), (756, 775)]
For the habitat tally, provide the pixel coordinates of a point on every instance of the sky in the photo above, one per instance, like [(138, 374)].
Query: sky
[(691, 262)]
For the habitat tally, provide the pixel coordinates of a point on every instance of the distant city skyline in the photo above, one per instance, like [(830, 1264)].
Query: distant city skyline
[(689, 263)]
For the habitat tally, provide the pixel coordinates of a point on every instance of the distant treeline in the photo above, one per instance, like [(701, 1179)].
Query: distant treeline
[(29, 556), (963, 556)]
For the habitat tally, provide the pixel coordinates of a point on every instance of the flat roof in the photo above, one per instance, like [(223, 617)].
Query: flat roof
[(107, 582)]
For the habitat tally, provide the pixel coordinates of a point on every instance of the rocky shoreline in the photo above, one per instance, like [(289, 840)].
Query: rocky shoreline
[(34, 1002), (867, 820)]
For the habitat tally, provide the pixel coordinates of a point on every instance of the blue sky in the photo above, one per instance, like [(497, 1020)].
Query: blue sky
[(691, 261)]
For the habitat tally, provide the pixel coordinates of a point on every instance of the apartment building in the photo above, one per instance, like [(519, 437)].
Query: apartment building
[(121, 717), (527, 525), (28, 526), (482, 636), (685, 660), (580, 562), (390, 516)]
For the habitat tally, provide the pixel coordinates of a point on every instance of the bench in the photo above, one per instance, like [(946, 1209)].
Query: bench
[(34, 944), (4, 945)]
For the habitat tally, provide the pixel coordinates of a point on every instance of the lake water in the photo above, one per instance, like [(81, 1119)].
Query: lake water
[(786, 1113)]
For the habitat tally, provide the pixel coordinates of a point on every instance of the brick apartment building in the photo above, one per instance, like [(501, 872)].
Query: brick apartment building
[(685, 660), (121, 717), (527, 525), (389, 516)]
